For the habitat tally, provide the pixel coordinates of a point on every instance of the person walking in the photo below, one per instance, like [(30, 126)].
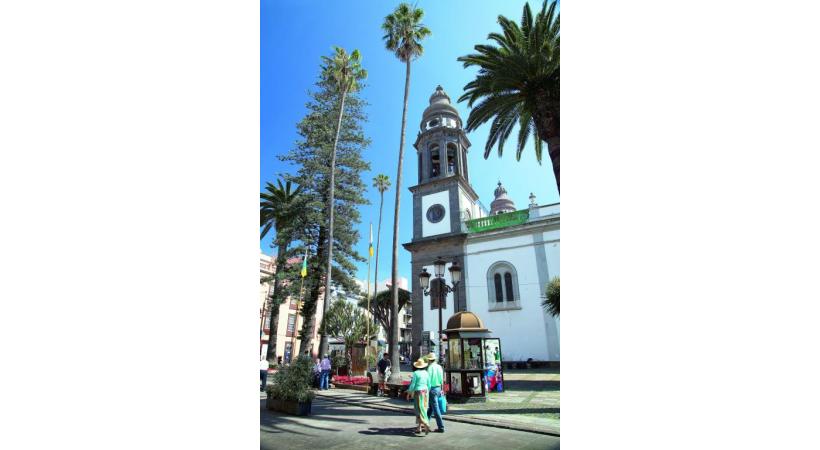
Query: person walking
[(382, 367), (263, 374), (317, 373), (325, 366), (436, 375), (419, 390)]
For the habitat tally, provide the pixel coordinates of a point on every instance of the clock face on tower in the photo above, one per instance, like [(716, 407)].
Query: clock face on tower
[(435, 213)]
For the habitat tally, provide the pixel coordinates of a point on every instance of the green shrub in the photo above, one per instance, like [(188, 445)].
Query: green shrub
[(293, 383)]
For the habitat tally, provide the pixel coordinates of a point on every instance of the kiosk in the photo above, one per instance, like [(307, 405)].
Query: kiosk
[(473, 363)]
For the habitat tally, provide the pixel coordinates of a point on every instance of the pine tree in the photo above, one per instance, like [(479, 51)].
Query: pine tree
[(311, 155)]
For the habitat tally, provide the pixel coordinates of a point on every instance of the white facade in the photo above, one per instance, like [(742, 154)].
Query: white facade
[(532, 250)]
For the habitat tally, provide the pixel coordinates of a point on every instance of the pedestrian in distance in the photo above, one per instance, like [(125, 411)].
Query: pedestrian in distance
[(317, 373), (325, 366), (263, 374), (436, 376), (382, 370), (418, 391)]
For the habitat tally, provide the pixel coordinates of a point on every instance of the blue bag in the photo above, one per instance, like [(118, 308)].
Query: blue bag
[(442, 403)]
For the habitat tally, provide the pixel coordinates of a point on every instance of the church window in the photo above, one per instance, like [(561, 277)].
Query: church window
[(508, 284), (435, 169), (451, 158), (502, 287)]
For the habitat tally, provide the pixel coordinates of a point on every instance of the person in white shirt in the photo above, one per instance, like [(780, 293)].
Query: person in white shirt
[(263, 374)]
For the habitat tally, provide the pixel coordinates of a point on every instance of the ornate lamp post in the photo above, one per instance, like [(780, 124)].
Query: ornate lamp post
[(441, 291)]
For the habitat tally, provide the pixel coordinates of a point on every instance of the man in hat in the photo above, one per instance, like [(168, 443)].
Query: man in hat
[(436, 374)]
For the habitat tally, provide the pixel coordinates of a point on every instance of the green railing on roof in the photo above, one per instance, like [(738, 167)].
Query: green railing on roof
[(498, 221)]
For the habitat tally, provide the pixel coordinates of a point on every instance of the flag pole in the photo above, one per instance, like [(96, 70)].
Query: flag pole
[(303, 272)]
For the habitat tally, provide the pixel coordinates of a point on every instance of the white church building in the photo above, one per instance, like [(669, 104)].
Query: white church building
[(507, 254)]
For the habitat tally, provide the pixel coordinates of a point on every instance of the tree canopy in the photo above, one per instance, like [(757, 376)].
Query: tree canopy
[(380, 306), (310, 156)]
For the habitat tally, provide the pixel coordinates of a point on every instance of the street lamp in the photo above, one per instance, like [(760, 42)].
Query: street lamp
[(442, 290)]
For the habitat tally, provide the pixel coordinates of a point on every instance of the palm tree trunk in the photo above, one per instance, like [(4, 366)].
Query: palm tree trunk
[(394, 305), (554, 149), (548, 128), (378, 244), (274, 303), (323, 343)]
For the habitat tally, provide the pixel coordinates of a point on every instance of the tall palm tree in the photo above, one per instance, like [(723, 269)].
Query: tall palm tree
[(518, 82), (278, 209), (344, 71), (403, 32), (382, 183)]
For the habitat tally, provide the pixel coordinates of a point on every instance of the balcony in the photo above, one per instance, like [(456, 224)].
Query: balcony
[(498, 221)]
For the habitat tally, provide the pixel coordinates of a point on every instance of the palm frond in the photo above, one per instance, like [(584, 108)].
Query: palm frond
[(518, 80)]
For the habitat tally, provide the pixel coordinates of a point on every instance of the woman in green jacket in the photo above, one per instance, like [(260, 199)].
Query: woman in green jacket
[(419, 390)]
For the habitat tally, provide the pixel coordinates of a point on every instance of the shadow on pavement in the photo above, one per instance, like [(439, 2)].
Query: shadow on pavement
[(409, 432), (531, 385), (503, 411)]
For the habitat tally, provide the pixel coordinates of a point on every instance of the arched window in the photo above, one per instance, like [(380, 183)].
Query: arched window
[(435, 161), (508, 284), (451, 158), (499, 294), (502, 287)]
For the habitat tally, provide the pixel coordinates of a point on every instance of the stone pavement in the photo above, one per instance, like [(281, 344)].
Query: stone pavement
[(530, 402), (344, 426), (473, 413)]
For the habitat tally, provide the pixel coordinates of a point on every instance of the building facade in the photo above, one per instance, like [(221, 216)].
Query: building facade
[(508, 256), (288, 321)]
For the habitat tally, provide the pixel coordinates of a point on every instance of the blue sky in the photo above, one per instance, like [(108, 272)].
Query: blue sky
[(294, 36)]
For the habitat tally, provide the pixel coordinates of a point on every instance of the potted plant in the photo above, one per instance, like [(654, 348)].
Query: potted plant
[(290, 390)]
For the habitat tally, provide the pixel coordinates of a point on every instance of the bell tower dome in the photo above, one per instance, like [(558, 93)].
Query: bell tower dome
[(441, 144)]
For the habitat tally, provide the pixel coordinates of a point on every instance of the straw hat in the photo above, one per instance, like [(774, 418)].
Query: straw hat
[(430, 357), (420, 363)]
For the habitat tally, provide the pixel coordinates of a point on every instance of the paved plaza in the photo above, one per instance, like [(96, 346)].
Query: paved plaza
[(526, 415), (343, 426)]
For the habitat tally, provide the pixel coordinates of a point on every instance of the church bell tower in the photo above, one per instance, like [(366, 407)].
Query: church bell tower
[(442, 200)]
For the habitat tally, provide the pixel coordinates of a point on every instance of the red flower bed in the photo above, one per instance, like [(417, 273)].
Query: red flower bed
[(350, 380)]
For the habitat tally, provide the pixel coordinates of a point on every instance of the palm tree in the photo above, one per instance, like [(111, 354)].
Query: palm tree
[(278, 209), (344, 71), (403, 32), (518, 82), (382, 183)]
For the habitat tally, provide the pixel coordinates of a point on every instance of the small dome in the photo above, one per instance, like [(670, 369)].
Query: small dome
[(502, 203), (465, 321), (500, 190), (439, 96), (440, 108)]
